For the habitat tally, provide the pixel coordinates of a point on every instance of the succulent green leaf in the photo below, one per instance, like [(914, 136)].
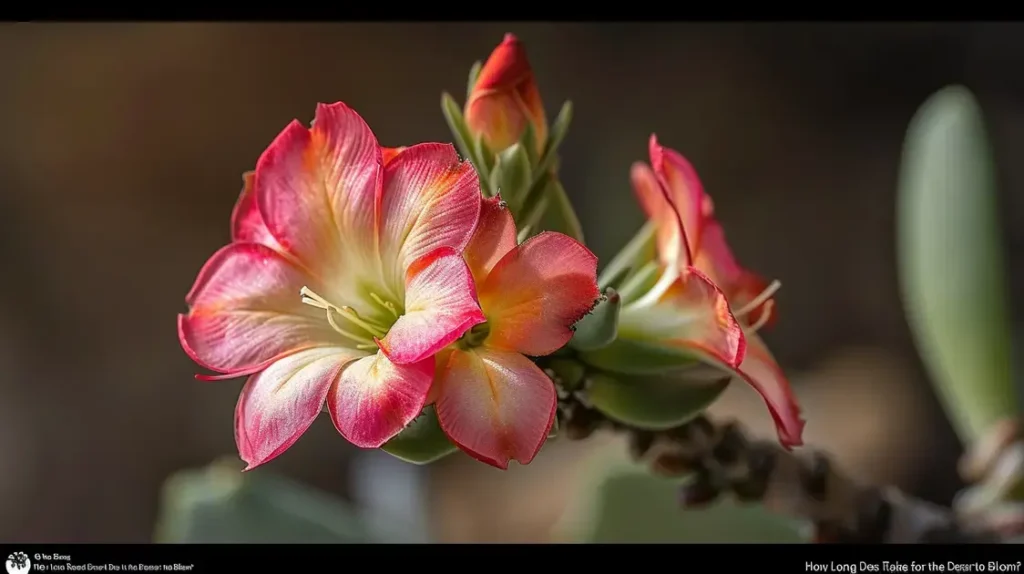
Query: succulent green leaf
[(599, 328), (639, 251), (639, 282), (632, 357), (652, 402), (460, 132), (422, 442), (221, 504), (569, 372), (511, 176), (559, 129), (560, 215), (951, 261), (529, 142), (474, 73)]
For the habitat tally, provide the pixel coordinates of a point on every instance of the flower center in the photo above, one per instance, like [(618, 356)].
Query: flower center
[(348, 323), (764, 298), (474, 337)]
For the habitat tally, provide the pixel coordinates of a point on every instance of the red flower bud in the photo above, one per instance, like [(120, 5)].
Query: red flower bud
[(505, 99)]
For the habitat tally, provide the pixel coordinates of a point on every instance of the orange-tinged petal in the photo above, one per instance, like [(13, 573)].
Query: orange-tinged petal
[(247, 225), (431, 200), (278, 404), (536, 292), (496, 405), (505, 98), (246, 311), (739, 285), (440, 305), (651, 195), (693, 313), (685, 190), (494, 237), (389, 153), (316, 189), (374, 399), (760, 370)]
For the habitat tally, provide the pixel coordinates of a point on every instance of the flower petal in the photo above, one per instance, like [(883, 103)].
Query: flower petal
[(494, 237), (389, 153), (278, 404), (685, 190), (374, 399), (247, 225), (693, 313), (246, 311), (764, 374), (651, 195), (431, 200), (440, 305), (739, 285), (537, 292), (496, 405), (314, 186)]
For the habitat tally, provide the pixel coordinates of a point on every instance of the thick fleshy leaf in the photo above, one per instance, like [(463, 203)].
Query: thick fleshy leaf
[(317, 188), (634, 357), (496, 405), (537, 292), (389, 153), (247, 225), (693, 313), (494, 237), (431, 200), (374, 399), (649, 193), (952, 262), (654, 402), (560, 215), (739, 285), (511, 176), (246, 311), (278, 404), (440, 305), (422, 442), (684, 188)]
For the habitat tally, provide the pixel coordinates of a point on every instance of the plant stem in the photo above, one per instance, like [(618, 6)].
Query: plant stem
[(723, 460)]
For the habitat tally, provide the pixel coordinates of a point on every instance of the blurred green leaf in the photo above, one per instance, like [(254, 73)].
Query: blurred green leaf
[(474, 73), (652, 402), (621, 502), (636, 253), (559, 129), (221, 504), (422, 442), (951, 261), (599, 328), (511, 175), (457, 125), (639, 282)]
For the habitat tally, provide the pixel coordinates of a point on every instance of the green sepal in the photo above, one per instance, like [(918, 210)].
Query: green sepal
[(529, 141), (422, 442), (486, 163), (511, 175), (560, 215), (630, 357), (654, 402), (640, 282), (460, 132), (474, 73), (599, 328), (639, 250), (570, 373)]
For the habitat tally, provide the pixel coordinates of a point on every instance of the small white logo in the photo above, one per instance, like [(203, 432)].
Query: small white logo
[(18, 563)]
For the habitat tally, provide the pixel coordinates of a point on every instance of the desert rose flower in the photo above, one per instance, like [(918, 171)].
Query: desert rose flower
[(343, 279), (505, 99), (691, 245), (491, 399)]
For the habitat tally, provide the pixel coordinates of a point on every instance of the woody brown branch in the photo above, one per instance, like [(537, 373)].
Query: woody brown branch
[(722, 460)]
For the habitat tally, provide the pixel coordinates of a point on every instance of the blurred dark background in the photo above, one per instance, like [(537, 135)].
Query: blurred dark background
[(121, 154)]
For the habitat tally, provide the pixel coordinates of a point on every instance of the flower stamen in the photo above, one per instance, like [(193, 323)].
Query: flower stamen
[(386, 304), (309, 297), (766, 316), (369, 326), (756, 302)]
